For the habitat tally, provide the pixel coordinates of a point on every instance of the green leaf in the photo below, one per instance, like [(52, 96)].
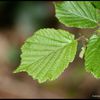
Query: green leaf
[(96, 4), (46, 54), (92, 56), (80, 14)]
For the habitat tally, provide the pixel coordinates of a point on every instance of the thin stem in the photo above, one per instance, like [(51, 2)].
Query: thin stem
[(83, 39), (98, 31), (80, 38)]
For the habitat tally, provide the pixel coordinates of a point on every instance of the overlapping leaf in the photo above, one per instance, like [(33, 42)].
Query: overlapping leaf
[(46, 54), (92, 56), (96, 4), (80, 14)]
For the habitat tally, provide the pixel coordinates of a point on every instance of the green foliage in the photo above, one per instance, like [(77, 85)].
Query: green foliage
[(96, 4), (77, 14), (47, 53), (92, 56)]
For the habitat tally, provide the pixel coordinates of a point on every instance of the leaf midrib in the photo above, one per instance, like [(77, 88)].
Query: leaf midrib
[(54, 51)]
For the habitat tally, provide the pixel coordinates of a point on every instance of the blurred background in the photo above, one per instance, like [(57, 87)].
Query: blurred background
[(18, 21)]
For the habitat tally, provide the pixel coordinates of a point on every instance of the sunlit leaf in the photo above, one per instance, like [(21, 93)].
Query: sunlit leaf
[(47, 53), (92, 56), (80, 14)]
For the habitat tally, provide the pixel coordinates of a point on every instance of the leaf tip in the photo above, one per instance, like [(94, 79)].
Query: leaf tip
[(17, 70)]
